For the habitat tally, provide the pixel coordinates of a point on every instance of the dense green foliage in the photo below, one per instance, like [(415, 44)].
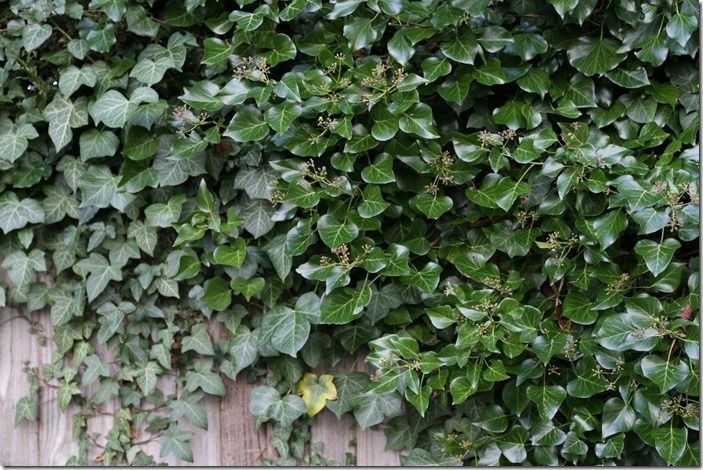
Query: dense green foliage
[(495, 201)]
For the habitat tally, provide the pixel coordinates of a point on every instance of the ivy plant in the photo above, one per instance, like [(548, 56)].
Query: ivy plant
[(494, 203)]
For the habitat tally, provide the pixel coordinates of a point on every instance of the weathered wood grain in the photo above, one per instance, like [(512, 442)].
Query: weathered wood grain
[(20, 445), (230, 440), (240, 444)]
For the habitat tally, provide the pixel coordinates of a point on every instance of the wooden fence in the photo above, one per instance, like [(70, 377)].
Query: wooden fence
[(229, 440)]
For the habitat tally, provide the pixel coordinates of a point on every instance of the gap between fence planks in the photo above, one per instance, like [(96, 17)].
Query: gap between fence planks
[(229, 440)]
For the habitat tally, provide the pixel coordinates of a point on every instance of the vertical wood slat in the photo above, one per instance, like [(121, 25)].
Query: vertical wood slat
[(337, 435), (56, 444), (240, 444), (20, 445), (230, 438)]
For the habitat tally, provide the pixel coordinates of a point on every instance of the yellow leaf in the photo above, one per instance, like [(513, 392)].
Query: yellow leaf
[(316, 391)]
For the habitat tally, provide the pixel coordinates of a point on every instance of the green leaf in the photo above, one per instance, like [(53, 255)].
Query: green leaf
[(176, 441), (247, 287), (97, 144), (63, 115), (216, 51), (657, 256), (16, 214), (617, 417), (380, 171), (198, 341), (432, 205), (667, 374), (147, 377), (334, 233), (679, 28), (607, 228), (372, 408), (281, 116), (34, 35), (112, 109), (231, 255), (418, 121), (578, 308), (373, 203), (187, 407), (27, 409), (98, 187), (670, 442), (217, 294), (497, 192), (150, 72), (636, 78), (72, 78), (101, 272), (287, 329), (462, 47), (343, 305), (548, 399), (592, 56), (257, 217)]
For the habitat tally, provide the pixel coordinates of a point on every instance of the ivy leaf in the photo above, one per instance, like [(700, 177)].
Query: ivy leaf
[(579, 309), (380, 171), (343, 305), (373, 203), (316, 392), (372, 408), (97, 144), (432, 205), (198, 341), (335, 233), (216, 51), (27, 409), (206, 380), (248, 288), (419, 121), (657, 256), (680, 28), (101, 272), (150, 72), (287, 329), (98, 187), (462, 48), (606, 228), (280, 117), (112, 109), (497, 192), (72, 78), (217, 294), (147, 377), (257, 217), (247, 126), (176, 441), (231, 255), (16, 214), (664, 373), (187, 406), (670, 442), (63, 115), (592, 56), (34, 35), (547, 398), (617, 417)]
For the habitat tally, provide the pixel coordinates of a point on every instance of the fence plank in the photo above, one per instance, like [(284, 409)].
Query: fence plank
[(240, 444), (20, 445), (336, 436), (56, 444)]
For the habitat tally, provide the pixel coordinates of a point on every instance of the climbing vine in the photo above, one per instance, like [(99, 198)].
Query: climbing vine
[(494, 203)]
